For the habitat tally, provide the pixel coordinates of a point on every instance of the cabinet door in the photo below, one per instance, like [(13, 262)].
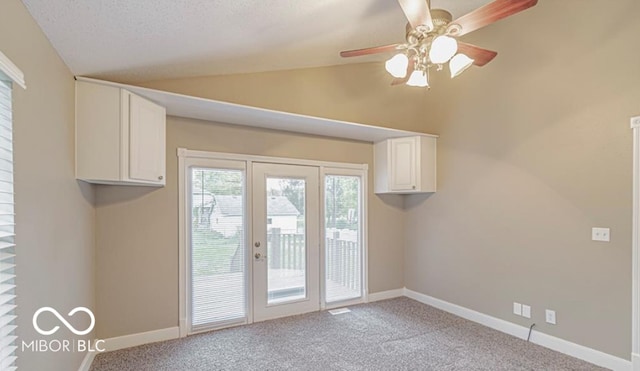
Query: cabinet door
[(403, 164), (146, 140)]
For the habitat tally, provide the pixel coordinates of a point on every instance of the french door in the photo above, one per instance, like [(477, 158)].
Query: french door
[(267, 239), (285, 246)]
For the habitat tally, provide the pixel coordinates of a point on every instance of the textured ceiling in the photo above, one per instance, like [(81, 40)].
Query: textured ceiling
[(139, 40)]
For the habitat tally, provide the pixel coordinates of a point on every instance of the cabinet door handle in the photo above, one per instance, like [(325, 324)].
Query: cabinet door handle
[(160, 177)]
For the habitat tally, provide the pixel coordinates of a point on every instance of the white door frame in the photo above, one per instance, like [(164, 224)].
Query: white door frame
[(183, 221), (635, 322)]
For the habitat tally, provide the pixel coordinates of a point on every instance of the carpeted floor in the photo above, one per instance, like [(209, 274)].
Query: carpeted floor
[(396, 334)]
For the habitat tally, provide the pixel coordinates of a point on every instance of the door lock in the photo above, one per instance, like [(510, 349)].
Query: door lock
[(257, 244)]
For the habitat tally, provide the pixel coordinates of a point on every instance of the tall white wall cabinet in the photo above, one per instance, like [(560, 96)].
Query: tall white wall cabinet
[(405, 165), (120, 137)]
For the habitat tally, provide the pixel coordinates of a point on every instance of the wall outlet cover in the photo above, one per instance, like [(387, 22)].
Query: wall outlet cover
[(526, 311), (600, 234), (517, 308)]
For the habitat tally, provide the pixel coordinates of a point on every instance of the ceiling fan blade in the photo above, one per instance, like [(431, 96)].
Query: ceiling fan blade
[(488, 14), (417, 12), (367, 51), (479, 55), (401, 80)]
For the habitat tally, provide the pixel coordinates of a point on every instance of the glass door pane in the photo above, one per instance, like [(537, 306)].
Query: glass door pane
[(286, 243), (217, 254), (343, 245)]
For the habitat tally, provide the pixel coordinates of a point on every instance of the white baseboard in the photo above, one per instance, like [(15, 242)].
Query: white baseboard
[(635, 359), (87, 361), (142, 338), (384, 295), (559, 345)]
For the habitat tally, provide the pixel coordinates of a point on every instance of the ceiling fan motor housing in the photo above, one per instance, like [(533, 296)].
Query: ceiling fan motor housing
[(440, 17)]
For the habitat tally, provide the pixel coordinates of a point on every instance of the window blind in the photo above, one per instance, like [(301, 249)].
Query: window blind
[(218, 272), (343, 243), (7, 244)]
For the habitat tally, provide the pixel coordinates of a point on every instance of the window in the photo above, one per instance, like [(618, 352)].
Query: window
[(218, 272), (343, 237), (8, 73)]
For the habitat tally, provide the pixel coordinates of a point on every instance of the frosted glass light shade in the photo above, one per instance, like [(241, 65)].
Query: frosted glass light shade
[(397, 65), (442, 49), (458, 64), (418, 78)]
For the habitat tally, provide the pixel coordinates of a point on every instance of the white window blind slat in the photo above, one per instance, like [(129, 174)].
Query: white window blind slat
[(6, 309), (7, 330), (7, 341), (5, 288), (7, 359), (6, 321), (7, 245), (4, 299), (4, 235)]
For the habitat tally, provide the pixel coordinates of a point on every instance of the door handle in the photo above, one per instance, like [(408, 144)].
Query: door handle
[(257, 255)]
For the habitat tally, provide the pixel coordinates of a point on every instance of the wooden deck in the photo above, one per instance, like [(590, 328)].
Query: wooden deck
[(221, 297)]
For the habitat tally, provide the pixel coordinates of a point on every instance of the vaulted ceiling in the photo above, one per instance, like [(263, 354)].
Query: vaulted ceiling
[(159, 39)]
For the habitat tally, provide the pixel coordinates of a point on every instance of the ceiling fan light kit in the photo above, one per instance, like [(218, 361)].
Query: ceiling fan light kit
[(458, 64), (419, 79), (397, 65), (442, 49), (431, 40)]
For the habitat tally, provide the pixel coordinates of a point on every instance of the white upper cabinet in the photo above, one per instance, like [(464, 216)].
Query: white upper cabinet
[(405, 165), (120, 137)]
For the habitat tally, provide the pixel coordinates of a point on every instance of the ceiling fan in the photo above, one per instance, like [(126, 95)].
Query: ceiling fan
[(432, 40)]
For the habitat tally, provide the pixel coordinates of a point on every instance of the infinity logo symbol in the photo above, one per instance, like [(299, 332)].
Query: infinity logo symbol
[(64, 321)]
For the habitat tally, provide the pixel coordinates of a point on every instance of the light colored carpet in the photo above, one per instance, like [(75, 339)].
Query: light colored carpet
[(396, 334)]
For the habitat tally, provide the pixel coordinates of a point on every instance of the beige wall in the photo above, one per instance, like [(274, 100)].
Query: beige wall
[(535, 149), (358, 93), (138, 226), (54, 212)]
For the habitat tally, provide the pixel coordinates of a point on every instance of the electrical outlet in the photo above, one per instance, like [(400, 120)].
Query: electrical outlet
[(600, 234), (526, 311), (550, 316), (517, 308)]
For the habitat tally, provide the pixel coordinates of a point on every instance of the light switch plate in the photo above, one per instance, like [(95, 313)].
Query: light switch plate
[(526, 311), (600, 234), (550, 316)]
